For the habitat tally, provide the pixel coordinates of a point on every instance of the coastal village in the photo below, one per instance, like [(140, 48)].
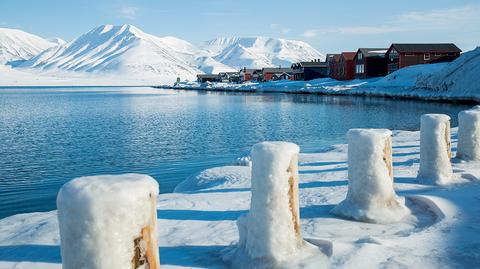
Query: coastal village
[(363, 63)]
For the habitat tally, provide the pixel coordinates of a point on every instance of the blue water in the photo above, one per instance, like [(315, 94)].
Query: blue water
[(51, 135)]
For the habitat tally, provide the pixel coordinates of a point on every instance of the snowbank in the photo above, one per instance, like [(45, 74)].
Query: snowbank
[(459, 78), (371, 196), (435, 149), (108, 222), (231, 176)]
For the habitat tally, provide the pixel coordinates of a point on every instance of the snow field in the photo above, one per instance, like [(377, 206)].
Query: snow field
[(109, 222), (435, 150), (371, 196)]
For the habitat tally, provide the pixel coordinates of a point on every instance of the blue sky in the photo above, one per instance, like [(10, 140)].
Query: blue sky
[(329, 26)]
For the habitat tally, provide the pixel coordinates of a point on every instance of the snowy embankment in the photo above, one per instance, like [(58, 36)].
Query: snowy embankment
[(442, 81), (197, 224)]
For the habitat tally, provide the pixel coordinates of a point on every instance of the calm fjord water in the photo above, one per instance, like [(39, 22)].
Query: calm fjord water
[(51, 135)]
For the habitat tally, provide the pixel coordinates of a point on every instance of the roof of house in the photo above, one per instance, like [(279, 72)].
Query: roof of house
[(207, 76), (309, 64), (277, 69), (348, 55), (372, 52), (425, 47)]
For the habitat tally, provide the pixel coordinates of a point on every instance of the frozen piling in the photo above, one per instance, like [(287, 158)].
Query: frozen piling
[(435, 149), (469, 134), (371, 196), (109, 222), (270, 232)]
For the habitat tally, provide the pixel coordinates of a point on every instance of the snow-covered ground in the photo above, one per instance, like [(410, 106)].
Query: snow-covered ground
[(197, 224)]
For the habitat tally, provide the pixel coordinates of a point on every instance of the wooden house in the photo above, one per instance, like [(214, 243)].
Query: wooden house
[(282, 76), (231, 77), (332, 65), (370, 62), (310, 70), (268, 72), (401, 55), (257, 75), (247, 74), (346, 66), (202, 78)]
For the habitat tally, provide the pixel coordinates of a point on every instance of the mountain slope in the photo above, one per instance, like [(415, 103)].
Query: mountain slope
[(120, 49), (259, 52), (17, 45)]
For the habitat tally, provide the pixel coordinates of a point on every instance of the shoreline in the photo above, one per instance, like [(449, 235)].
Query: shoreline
[(365, 91)]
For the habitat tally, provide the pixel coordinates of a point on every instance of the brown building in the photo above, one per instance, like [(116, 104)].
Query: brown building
[(370, 63), (332, 65), (403, 55), (346, 66)]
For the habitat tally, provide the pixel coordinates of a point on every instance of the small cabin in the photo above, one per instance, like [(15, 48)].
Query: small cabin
[(370, 63), (346, 66), (282, 76), (268, 72), (203, 78), (310, 70), (401, 55)]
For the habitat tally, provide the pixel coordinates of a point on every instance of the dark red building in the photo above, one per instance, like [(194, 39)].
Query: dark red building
[(346, 66), (370, 63), (332, 65), (401, 55)]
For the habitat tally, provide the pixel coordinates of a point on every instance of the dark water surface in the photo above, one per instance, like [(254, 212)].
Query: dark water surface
[(51, 135)]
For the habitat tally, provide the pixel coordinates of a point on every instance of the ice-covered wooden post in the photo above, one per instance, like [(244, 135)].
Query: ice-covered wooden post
[(270, 232), (109, 222), (371, 196), (469, 134), (435, 149)]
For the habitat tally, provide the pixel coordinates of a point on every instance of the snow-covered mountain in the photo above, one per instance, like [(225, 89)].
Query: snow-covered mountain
[(125, 51), (17, 45), (120, 49), (256, 52)]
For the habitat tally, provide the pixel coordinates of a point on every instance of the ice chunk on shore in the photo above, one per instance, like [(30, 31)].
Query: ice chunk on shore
[(371, 196), (469, 134), (107, 220), (435, 151)]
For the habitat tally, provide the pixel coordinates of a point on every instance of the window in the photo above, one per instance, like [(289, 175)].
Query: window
[(426, 56), (360, 56), (360, 69)]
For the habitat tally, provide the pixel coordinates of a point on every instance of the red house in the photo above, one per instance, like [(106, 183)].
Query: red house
[(346, 66), (403, 55)]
